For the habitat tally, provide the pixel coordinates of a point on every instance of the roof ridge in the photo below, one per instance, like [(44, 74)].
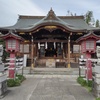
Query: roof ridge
[(87, 35)]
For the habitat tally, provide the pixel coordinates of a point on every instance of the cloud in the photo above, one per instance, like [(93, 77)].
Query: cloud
[(89, 5), (10, 9), (86, 4)]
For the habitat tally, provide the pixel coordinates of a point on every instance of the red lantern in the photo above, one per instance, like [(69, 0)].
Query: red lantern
[(12, 46), (88, 47)]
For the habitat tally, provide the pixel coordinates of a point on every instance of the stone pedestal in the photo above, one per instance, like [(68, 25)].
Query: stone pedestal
[(3, 77), (96, 75), (96, 85), (3, 84)]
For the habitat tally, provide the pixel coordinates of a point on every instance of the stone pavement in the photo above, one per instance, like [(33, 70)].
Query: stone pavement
[(49, 87)]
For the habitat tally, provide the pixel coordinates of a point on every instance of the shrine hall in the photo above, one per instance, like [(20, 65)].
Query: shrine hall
[(52, 41)]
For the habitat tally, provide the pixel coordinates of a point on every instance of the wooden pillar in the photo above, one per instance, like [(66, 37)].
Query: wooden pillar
[(69, 51), (34, 46), (36, 49), (32, 54)]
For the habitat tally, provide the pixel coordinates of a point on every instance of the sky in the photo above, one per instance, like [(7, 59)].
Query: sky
[(11, 9)]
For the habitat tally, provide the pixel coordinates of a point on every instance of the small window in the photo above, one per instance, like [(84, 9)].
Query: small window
[(76, 48), (90, 44), (24, 48), (12, 44)]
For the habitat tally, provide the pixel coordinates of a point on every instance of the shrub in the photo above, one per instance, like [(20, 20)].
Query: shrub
[(89, 83), (15, 82), (10, 82), (97, 98), (84, 83), (21, 77), (81, 81)]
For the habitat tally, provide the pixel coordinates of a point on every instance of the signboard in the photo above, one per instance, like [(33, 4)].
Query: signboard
[(50, 63)]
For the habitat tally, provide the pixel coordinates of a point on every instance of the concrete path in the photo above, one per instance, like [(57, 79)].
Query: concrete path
[(49, 87)]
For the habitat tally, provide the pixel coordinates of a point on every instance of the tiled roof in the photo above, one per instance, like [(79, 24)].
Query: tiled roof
[(29, 23), (89, 35)]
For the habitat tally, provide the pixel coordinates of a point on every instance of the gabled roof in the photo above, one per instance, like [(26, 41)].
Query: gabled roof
[(51, 16), (29, 23), (11, 34), (89, 35)]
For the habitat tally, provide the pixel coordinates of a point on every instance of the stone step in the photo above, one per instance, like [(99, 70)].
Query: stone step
[(53, 71)]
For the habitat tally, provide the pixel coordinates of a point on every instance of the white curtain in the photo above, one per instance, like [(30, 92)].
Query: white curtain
[(61, 45), (38, 45), (46, 45), (54, 45)]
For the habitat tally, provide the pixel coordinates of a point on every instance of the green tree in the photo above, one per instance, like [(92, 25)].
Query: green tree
[(89, 17), (97, 23)]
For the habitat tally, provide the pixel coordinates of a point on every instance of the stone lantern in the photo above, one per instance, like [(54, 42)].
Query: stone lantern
[(88, 47), (12, 42)]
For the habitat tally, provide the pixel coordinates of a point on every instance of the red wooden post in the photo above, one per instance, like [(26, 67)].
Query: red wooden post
[(12, 66), (89, 67), (89, 70)]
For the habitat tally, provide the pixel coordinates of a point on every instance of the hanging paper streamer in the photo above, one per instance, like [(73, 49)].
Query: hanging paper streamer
[(54, 45), (61, 45), (46, 45), (38, 45)]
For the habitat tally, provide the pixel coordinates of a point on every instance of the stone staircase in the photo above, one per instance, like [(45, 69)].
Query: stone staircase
[(52, 71)]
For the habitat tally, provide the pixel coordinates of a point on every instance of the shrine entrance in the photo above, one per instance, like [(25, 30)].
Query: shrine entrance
[(50, 51), (51, 43)]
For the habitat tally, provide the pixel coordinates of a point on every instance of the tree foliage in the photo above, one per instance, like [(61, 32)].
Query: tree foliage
[(97, 23), (89, 18)]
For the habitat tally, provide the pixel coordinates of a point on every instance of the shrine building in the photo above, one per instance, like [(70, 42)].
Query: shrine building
[(51, 41)]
